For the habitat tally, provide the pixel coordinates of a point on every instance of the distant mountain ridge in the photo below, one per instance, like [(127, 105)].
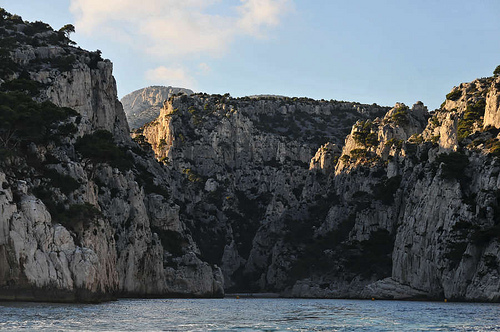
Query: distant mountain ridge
[(144, 105)]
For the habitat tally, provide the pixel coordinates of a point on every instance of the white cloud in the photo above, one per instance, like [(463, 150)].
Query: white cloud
[(204, 68), (259, 14), (166, 28), (186, 34), (176, 76)]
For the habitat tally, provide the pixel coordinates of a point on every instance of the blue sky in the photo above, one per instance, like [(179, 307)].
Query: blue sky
[(383, 52)]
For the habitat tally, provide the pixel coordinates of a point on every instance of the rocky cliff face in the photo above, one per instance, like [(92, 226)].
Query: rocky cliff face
[(245, 165), (408, 209), (291, 195), (144, 105), (422, 206), (86, 214)]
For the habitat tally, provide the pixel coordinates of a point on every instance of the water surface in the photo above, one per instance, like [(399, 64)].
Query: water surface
[(250, 315)]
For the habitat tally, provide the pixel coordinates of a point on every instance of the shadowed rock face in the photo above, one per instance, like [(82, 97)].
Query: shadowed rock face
[(144, 105), (410, 211), (243, 163)]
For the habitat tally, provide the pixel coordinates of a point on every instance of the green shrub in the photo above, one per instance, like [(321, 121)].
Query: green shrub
[(496, 72), (363, 135), (95, 58), (64, 182), (358, 153), (435, 121), (345, 158), (162, 143), (27, 86), (36, 27), (453, 165), (7, 65), (385, 190), (398, 143), (400, 116), (67, 30), (23, 120), (417, 139), (99, 147), (472, 114), (143, 144), (82, 212), (192, 176), (454, 95), (64, 63), (495, 149)]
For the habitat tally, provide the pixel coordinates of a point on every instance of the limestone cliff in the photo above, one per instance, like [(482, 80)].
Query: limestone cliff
[(144, 105), (85, 213), (408, 209), (245, 164), (266, 193), (422, 206)]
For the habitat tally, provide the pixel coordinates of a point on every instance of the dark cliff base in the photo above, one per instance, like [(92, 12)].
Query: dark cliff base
[(53, 295), (32, 294), (169, 296)]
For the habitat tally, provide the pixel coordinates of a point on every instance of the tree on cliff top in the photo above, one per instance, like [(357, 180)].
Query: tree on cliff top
[(66, 31), (496, 72)]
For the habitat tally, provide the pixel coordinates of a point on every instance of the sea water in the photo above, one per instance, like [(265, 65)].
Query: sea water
[(247, 314)]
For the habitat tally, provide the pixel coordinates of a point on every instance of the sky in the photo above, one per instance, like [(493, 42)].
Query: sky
[(368, 51)]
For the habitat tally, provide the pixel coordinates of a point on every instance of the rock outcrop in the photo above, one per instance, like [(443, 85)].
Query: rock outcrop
[(325, 158), (144, 105), (491, 113)]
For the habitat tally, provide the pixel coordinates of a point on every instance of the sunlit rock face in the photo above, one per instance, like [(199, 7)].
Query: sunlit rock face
[(492, 113), (325, 158), (144, 105)]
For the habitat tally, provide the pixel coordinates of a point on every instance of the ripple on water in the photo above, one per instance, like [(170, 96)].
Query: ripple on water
[(250, 315)]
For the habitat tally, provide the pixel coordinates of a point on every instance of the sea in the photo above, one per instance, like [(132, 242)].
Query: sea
[(250, 314)]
